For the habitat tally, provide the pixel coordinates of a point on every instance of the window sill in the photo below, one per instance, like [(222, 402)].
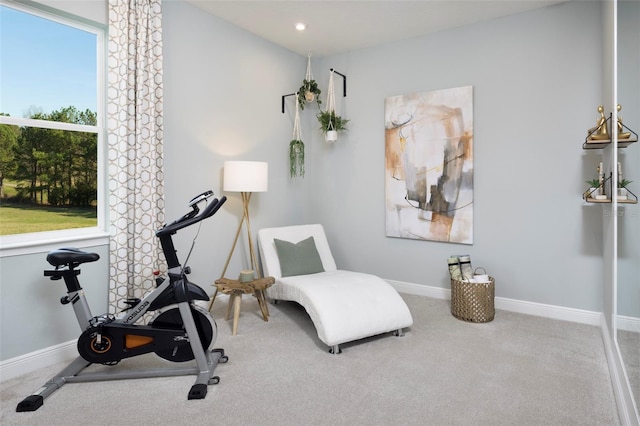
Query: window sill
[(15, 245)]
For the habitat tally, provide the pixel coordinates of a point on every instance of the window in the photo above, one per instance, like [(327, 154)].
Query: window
[(51, 123)]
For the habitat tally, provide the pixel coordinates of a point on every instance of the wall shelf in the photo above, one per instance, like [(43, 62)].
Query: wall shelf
[(608, 201), (603, 143), (593, 200), (589, 197)]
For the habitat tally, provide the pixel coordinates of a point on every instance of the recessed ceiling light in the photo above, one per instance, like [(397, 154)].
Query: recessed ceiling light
[(301, 26)]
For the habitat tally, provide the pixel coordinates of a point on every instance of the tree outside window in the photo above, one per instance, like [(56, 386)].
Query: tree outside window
[(48, 160)]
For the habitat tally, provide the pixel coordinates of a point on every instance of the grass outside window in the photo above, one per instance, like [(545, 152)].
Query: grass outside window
[(22, 219)]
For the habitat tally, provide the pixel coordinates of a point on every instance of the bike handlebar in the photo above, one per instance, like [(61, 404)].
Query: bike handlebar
[(193, 216)]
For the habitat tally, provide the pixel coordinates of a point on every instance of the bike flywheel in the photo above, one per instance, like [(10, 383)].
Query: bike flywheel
[(181, 351)]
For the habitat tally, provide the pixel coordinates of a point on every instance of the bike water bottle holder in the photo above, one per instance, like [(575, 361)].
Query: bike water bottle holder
[(130, 303)]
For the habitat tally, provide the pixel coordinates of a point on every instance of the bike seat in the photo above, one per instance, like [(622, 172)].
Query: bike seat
[(65, 256)]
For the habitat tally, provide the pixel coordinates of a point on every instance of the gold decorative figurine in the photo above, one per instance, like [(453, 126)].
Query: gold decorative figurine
[(621, 133), (600, 132)]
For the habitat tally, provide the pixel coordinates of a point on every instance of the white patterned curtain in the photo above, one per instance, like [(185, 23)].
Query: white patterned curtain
[(135, 163)]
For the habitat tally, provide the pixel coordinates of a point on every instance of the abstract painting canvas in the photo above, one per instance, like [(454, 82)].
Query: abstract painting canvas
[(429, 165)]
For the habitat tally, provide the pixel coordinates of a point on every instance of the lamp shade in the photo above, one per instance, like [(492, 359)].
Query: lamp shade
[(246, 176)]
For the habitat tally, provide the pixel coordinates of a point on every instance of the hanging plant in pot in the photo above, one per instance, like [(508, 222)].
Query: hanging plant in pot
[(309, 91), (330, 122), (296, 148)]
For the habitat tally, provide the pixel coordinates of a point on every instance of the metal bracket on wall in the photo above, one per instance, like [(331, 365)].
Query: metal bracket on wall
[(344, 82), (284, 96)]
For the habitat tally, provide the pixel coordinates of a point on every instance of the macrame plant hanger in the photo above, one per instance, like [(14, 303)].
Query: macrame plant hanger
[(331, 132), (309, 75), (309, 90), (296, 148)]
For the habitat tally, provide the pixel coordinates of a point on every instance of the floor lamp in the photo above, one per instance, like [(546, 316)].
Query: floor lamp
[(245, 177)]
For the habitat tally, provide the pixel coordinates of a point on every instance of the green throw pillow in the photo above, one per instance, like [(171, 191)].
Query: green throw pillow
[(298, 259)]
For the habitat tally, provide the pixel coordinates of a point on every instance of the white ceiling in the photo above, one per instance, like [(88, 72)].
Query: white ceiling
[(338, 26)]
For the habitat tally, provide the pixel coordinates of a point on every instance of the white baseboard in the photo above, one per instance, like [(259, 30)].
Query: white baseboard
[(42, 358), (628, 323), (421, 290), (512, 305)]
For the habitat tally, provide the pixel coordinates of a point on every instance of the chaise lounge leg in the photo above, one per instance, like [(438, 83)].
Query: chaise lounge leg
[(399, 332), (335, 349)]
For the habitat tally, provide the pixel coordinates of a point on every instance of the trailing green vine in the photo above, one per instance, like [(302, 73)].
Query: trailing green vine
[(296, 158)]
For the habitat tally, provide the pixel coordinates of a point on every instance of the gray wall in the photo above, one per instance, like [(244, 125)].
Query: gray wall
[(537, 83), (223, 89), (31, 316), (536, 90)]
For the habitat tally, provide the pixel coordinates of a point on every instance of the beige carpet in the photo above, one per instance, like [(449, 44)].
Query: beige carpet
[(516, 370)]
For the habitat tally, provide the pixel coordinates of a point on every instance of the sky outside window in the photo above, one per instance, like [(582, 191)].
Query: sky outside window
[(44, 65)]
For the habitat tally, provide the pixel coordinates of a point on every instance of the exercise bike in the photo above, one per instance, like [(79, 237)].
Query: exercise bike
[(179, 331)]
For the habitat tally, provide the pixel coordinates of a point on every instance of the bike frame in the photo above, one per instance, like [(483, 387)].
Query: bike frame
[(182, 297)]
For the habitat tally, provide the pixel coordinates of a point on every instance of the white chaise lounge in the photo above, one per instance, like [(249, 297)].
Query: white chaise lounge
[(343, 305)]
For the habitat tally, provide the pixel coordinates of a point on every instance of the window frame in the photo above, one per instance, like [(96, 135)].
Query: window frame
[(11, 245)]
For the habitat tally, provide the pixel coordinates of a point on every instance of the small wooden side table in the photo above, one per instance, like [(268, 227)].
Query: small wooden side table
[(235, 289)]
